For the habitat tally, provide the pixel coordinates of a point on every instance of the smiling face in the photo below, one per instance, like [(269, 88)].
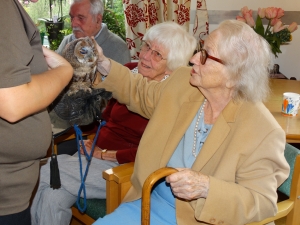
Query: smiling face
[(150, 68), (83, 23)]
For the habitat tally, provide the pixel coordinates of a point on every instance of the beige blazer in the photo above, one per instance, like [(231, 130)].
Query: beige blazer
[(243, 154)]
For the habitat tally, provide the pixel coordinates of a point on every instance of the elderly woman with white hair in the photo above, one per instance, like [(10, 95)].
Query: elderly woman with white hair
[(165, 47), (210, 123)]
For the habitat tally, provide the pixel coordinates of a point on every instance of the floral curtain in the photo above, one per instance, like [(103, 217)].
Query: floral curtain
[(142, 14)]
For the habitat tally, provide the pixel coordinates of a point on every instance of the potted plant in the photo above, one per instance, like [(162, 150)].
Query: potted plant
[(55, 24), (113, 17)]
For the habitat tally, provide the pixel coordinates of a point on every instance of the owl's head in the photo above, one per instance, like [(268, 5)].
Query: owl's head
[(82, 51)]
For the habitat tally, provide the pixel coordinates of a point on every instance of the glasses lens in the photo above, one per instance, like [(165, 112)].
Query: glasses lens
[(156, 56), (203, 56)]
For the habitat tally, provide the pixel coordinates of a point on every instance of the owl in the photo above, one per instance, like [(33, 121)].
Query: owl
[(79, 103), (82, 55)]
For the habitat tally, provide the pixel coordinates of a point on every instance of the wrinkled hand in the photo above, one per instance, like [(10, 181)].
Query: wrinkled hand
[(103, 64), (188, 184), (53, 59), (88, 147)]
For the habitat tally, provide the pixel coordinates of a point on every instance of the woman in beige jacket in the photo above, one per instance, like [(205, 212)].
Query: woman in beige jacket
[(209, 122)]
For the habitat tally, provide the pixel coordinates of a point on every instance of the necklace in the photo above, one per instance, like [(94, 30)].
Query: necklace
[(196, 129)]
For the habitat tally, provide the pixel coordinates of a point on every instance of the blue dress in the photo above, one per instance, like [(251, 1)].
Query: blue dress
[(162, 199)]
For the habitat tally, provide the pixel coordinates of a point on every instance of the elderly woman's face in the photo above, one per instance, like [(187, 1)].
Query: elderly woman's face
[(212, 73), (151, 64)]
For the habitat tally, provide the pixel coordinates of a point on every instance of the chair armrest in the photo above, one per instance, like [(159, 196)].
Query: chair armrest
[(284, 208), (117, 184), (65, 137), (69, 136)]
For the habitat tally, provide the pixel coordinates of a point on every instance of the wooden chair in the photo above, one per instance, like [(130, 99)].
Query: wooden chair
[(69, 134), (118, 183)]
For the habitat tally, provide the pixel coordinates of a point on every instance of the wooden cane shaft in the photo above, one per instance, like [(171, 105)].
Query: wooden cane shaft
[(148, 184)]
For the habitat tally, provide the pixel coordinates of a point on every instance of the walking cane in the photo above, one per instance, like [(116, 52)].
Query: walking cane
[(147, 187)]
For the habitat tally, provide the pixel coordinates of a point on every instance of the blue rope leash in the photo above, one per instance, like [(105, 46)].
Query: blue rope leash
[(89, 159)]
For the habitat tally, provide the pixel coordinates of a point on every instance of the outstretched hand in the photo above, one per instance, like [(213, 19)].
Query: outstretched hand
[(188, 184), (103, 64)]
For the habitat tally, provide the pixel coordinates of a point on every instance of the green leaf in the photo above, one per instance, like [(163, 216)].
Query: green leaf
[(259, 28)]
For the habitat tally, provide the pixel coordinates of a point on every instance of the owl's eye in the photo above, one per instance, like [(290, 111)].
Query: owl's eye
[(83, 51)]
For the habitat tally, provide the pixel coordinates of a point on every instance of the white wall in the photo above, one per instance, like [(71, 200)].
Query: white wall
[(289, 59)]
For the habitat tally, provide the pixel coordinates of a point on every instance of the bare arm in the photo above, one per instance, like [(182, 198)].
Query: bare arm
[(24, 100)]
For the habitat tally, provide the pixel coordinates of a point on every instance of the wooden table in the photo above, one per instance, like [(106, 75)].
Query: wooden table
[(291, 125)]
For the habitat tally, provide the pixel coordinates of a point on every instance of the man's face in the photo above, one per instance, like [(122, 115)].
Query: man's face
[(83, 23)]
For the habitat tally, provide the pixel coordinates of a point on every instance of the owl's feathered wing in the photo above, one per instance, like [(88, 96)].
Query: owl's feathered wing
[(82, 55)]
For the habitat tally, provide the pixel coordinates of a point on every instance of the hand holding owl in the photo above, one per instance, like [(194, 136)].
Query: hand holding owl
[(53, 59), (103, 63)]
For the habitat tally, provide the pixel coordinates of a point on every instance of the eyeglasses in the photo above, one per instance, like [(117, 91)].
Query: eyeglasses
[(155, 55), (204, 55)]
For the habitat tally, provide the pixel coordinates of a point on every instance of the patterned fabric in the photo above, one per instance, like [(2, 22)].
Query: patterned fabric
[(141, 15)]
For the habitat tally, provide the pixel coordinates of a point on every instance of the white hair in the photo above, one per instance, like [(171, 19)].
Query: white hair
[(96, 6), (180, 44), (248, 58)]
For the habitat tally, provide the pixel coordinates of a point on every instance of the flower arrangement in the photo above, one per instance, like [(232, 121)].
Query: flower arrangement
[(276, 32)]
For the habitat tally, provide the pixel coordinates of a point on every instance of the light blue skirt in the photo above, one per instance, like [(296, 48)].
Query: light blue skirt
[(162, 209)]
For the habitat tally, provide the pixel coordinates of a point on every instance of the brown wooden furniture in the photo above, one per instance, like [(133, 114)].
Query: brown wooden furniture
[(80, 218), (291, 125), (68, 135), (146, 192), (117, 185)]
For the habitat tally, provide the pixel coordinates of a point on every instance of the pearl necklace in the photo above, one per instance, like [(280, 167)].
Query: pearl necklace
[(196, 129)]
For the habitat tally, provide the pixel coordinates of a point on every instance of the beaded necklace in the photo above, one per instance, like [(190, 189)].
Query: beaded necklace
[(196, 129)]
